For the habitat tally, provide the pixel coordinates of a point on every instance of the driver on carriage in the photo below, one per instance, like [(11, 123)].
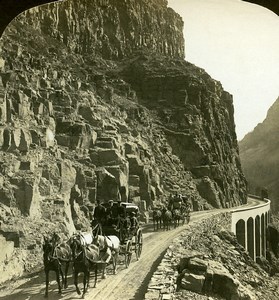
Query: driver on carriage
[(120, 210), (99, 213), (176, 202), (110, 218)]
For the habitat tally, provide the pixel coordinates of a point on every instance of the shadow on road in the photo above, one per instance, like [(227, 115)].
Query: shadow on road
[(33, 288), (140, 293)]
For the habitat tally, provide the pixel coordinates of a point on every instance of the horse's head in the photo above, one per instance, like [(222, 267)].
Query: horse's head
[(48, 248), (100, 242), (56, 237), (46, 244), (75, 245)]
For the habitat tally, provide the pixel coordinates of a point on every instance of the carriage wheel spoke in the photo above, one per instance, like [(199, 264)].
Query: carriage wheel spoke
[(139, 240), (128, 253)]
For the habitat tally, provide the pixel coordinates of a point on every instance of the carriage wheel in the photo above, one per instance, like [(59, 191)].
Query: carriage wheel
[(139, 241), (128, 253)]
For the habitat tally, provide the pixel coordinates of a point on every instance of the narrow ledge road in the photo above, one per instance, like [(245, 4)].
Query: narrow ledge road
[(129, 283)]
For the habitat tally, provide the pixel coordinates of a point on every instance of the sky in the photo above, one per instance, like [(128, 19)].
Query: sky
[(237, 43)]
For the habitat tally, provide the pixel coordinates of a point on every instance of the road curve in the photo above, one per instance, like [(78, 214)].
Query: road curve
[(130, 283)]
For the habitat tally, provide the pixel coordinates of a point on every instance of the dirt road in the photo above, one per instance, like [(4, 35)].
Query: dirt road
[(130, 283)]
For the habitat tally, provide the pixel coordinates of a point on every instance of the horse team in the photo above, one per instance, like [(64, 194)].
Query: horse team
[(178, 209), (86, 252), (93, 251)]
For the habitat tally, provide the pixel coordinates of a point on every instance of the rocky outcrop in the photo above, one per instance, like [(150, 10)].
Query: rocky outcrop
[(115, 29), (96, 102), (259, 157), (196, 116), (206, 262)]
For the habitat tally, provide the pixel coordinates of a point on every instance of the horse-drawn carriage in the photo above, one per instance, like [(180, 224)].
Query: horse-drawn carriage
[(94, 250), (128, 231), (178, 210)]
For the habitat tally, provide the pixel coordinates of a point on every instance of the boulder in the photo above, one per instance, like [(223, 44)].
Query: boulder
[(197, 264), (192, 282), (131, 148), (75, 135), (104, 157), (135, 164), (107, 187), (220, 281), (121, 178)]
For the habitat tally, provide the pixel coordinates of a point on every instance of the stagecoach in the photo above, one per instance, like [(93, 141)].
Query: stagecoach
[(131, 241)]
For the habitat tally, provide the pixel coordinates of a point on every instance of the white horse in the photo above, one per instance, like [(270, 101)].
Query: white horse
[(86, 238), (109, 248)]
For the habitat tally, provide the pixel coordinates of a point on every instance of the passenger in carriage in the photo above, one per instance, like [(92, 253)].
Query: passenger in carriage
[(109, 208), (175, 202), (99, 213), (134, 223)]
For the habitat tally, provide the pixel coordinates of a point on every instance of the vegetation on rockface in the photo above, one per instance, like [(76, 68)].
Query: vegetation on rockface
[(259, 156), (77, 126)]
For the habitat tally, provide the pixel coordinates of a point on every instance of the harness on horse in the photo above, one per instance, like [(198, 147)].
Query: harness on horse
[(83, 247), (54, 256)]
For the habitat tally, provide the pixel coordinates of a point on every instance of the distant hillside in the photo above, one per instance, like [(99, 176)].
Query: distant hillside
[(259, 153)]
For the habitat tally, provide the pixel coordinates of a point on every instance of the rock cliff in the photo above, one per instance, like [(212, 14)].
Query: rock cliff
[(259, 156), (110, 28), (96, 102)]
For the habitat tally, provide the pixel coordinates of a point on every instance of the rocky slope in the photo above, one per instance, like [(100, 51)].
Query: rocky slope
[(207, 262), (259, 156), (97, 103)]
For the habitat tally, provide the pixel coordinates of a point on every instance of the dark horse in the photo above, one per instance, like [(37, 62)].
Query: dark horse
[(55, 256), (176, 216), (85, 258), (167, 218), (157, 219)]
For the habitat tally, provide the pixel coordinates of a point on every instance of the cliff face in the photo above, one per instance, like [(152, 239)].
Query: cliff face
[(196, 115), (110, 28), (96, 103), (259, 156)]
